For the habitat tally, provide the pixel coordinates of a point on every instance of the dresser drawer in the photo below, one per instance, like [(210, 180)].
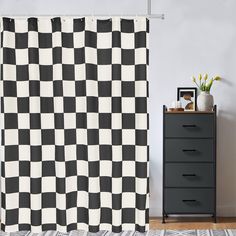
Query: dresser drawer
[(189, 201), (189, 125), (189, 150), (189, 175)]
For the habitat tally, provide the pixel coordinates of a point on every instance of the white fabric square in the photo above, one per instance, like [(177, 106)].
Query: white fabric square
[(60, 169), (78, 39), (141, 24), (24, 152), (24, 215), (128, 137), (116, 121), (70, 153), (128, 104), (90, 24), (140, 216), (34, 104), (11, 137), (93, 152), (127, 73), (104, 136), (35, 169), (44, 25), (9, 40), (47, 120), (56, 39), (104, 104), (57, 72), (45, 56), (91, 88), (81, 136), (94, 184), (116, 88), (106, 199), (140, 56), (69, 120), (10, 105), (33, 41), (91, 55), (141, 121), (92, 120), (34, 72), (68, 56), (23, 121), (82, 168), (71, 184), (22, 57), (35, 137), (79, 72), (128, 168), (46, 89), (49, 215), (116, 55), (59, 137), (71, 215), (12, 201), (116, 185), (116, 153), (22, 88), (128, 200), (94, 216), (141, 185), (67, 24), (82, 199), (116, 217), (11, 169), (61, 201), (127, 41), (9, 72), (48, 152), (104, 40), (81, 104), (49, 184), (105, 168), (68, 88), (104, 73), (116, 23), (141, 89), (24, 184), (21, 25), (58, 104)]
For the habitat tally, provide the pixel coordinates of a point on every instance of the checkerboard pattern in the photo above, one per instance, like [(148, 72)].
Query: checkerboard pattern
[(74, 124)]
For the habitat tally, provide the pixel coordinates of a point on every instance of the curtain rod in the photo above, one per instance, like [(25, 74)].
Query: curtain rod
[(150, 16)]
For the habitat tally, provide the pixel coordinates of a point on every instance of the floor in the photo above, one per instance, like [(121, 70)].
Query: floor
[(193, 223)]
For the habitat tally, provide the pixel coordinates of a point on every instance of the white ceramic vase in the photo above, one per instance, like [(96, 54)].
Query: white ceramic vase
[(205, 101)]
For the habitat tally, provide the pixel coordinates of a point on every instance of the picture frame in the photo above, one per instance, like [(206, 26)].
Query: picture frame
[(188, 98)]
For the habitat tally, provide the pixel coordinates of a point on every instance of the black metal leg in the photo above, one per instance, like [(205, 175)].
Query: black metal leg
[(163, 218)]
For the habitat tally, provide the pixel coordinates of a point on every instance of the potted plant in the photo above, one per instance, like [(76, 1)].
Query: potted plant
[(205, 100)]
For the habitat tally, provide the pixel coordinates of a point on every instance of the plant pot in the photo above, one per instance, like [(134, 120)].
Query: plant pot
[(205, 101)]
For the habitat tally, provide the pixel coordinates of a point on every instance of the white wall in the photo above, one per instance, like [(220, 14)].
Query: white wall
[(196, 36)]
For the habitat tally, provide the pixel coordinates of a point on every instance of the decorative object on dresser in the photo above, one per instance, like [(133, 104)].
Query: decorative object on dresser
[(189, 163), (187, 96)]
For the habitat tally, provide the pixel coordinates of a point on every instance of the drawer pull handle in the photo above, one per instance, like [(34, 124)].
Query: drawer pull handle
[(188, 175), (189, 150), (190, 200), (189, 126)]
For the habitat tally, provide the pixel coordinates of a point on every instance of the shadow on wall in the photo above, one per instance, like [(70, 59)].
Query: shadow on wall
[(226, 162)]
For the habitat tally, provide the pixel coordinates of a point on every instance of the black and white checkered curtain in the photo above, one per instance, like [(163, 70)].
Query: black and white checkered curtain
[(74, 128)]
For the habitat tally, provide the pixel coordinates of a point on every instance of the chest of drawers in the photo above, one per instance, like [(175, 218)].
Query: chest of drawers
[(189, 163)]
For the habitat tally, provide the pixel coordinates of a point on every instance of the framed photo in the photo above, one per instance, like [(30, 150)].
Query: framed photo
[(188, 98)]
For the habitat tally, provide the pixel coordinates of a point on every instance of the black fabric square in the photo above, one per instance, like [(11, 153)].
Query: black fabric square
[(36, 217), (34, 88), (10, 121), (128, 89), (56, 24), (80, 88), (47, 227), (128, 184), (140, 39), (57, 88), (81, 120), (104, 26), (72, 226), (69, 104), (141, 169), (57, 55), (128, 215), (91, 71), (46, 104), (127, 26), (141, 137), (79, 25), (59, 120), (68, 72), (9, 88), (82, 182), (9, 56), (116, 72), (127, 56), (48, 200), (48, 137), (94, 200), (8, 24), (45, 40), (48, 168), (33, 55), (141, 105), (22, 72), (105, 120), (93, 168), (71, 168), (128, 121), (104, 56), (23, 105), (71, 200), (116, 201), (24, 168), (24, 136), (12, 185), (116, 169), (21, 40), (46, 73), (12, 217), (106, 215), (90, 39), (61, 217), (116, 137), (36, 153), (67, 40), (105, 152), (141, 201), (79, 56), (82, 152), (128, 152), (92, 104), (82, 214), (35, 121), (116, 104), (93, 136), (32, 24), (24, 227), (70, 136), (59, 153), (140, 72), (24, 200), (60, 185), (104, 88), (116, 39), (105, 184)]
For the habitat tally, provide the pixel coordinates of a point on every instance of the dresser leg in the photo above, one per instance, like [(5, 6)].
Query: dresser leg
[(163, 218)]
